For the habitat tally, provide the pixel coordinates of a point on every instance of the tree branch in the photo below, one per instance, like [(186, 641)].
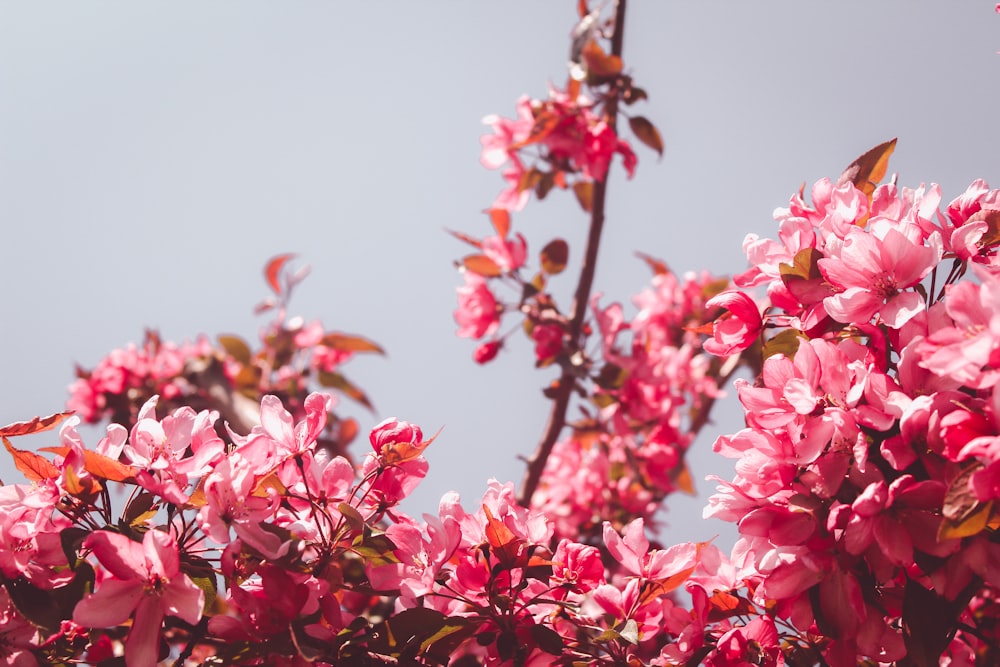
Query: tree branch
[(581, 299)]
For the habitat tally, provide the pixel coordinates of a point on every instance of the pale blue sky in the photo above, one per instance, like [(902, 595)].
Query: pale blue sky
[(153, 155)]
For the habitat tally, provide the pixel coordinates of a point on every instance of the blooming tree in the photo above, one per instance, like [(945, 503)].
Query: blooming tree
[(219, 521)]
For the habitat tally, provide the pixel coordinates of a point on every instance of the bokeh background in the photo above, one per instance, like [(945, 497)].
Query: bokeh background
[(153, 155)]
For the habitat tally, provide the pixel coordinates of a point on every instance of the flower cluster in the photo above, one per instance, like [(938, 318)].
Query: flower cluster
[(571, 139), (228, 376), (649, 399), (868, 469)]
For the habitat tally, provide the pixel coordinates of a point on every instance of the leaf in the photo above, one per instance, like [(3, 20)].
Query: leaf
[(264, 486), (786, 343), (647, 133), (34, 467), (36, 425), (554, 256), (345, 386), (584, 191), (142, 507), (599, 64), (395, 453), (482, 265), (928, 619), (99, 465), (683, 480), (272, 271), (545, 185), (353, 517), (630, 632), (805, 265), (408, 627), (658, 266), (500, 218), (868, 170), (236, 348), (992, 219), (547, 639), (351, 343), (474, 242), (504, 544), (964, 514)]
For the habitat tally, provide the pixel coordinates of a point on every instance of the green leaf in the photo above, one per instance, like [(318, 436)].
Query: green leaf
[(547, 639)]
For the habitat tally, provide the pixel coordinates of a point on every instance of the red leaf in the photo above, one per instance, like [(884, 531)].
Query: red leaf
[(599, 64), (581, 8), (647, 133), (501, 221), (273, 270), (868, 170), (99, 465), (31, 465), (554, 256), (395, 453), (474, 242), (482, 265), (504, 544), (658, 266), (351, 343), (584, 191), (36, 425)]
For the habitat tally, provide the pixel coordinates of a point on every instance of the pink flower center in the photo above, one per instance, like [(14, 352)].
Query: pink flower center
[(885, 285)]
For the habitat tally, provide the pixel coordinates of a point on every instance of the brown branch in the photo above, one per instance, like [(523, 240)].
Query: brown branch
[(581, 299)]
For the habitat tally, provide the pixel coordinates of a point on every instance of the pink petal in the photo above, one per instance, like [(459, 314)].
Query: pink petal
[(160, 551), (184, 599), (142, 646), (110, 605), (121, 556)]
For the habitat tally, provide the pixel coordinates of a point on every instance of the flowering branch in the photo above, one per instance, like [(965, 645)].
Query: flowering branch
[(581, 299)]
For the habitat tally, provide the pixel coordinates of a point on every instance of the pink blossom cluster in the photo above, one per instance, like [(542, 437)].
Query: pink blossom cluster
[(270, 550), (570, 139), (650, 398), (156, 367), (227, 376), (868, 469)]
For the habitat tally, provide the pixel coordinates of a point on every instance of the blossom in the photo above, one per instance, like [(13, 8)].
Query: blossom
[(873, 271), (737, 329), (478, 314), (143, 578)]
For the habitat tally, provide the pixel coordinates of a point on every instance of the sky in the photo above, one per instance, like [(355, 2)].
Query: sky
[(154, 155)]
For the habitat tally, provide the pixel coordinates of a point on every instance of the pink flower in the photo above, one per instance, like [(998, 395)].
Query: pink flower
[(142, 578), (509, 254), (478, 314), (737, 329), (487, 352), (873, 274), (548, 342)]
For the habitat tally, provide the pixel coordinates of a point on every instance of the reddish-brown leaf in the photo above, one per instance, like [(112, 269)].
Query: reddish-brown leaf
[(964, 514), (501, 221), (647, 133), (99, 465), (868, 170), (272, 271), (351, 343), (658, 266), (482, 265), (554, 256), (504, 544), (471, 240), (34, 467), (345, 386), (236, 347), (36, 425), (599, 64), (584, 191), (582, 9), (395, 453)]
